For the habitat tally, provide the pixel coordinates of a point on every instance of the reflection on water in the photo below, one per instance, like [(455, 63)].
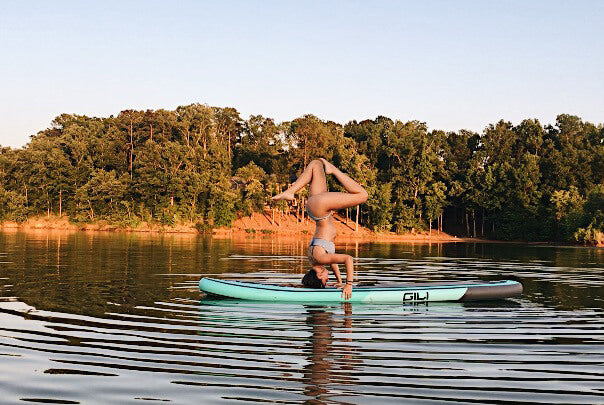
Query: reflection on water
[(118, 318), (321, 371)]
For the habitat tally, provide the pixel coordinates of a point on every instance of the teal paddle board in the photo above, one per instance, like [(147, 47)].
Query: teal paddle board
[(408, 293)]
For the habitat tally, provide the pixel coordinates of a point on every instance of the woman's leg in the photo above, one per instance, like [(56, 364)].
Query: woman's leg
[(349, 184), (322, 203), (313, 174)]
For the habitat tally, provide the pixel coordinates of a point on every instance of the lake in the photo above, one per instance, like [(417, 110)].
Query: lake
[(101, 318)]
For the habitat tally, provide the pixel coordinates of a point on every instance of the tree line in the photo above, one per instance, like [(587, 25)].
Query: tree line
[(208, 166)]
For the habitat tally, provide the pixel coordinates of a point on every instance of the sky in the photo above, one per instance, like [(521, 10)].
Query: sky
[(452, 64)]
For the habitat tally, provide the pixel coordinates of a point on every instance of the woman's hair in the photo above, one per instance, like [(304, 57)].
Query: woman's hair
[(311, 280)]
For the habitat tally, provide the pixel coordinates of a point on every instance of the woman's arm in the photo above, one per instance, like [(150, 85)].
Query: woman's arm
[(335, 258), (336, 271)]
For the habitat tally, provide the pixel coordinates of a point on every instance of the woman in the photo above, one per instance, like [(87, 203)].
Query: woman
[(320, 207)]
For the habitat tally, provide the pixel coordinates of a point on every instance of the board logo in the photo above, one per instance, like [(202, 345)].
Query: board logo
[(415, 296)]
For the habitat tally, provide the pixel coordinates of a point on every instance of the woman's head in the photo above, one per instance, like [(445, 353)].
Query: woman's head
[(316, 277)]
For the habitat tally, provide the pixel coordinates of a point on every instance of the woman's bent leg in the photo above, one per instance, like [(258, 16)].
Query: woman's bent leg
[(324, 202), (313, 174), (348, 182), (321, 204)]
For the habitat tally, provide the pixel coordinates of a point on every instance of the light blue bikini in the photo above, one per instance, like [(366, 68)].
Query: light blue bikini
[(328, 245), (317, 219)]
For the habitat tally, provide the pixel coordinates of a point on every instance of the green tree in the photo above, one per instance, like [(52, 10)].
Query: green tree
[(251, 177), (262, 143), (308, 137), (435, 201), (12, 206), (101, 196)]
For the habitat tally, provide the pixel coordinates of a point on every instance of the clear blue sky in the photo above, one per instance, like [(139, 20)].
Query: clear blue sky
[(452, 64)]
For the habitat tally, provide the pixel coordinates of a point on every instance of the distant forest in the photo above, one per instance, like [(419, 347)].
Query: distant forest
[(206, 165)]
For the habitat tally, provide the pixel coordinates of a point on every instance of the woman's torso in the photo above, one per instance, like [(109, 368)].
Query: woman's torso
[(323, 218), (325, 229)]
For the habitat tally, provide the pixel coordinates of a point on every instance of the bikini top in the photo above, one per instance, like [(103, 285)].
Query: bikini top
[(317, 219)]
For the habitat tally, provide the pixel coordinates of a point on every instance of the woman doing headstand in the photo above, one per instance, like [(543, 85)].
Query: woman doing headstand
[(320, 206)]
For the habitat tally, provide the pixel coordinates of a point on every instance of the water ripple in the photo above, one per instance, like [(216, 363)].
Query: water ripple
[(145, 333)]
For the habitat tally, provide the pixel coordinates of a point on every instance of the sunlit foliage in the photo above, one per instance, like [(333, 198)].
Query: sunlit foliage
[(207, 165)]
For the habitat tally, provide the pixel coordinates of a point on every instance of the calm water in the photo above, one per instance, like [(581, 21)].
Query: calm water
[(118, 318)]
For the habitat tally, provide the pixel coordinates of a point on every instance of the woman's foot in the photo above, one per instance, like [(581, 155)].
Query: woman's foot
[(286, 195), (329, 168)]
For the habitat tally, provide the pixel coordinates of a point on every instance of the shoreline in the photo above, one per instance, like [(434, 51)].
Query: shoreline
[(253, 228), (248, 227)]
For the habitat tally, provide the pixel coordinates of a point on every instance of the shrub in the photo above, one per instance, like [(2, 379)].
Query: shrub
[(203, 227)]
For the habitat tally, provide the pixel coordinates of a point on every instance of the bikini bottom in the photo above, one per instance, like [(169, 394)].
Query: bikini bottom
[(328, 245)]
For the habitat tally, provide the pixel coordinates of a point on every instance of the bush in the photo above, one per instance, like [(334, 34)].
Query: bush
[(223, 212), (167, 215), (589, 235), (407, 221), (203, 227)]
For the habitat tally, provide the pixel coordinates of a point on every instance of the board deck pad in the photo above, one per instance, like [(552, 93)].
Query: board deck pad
[(407, 293)]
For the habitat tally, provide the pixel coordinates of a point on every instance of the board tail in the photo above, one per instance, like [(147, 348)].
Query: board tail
[(482, 293)]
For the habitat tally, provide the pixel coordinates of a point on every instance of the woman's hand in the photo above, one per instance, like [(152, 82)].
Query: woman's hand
[(347, 291)]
